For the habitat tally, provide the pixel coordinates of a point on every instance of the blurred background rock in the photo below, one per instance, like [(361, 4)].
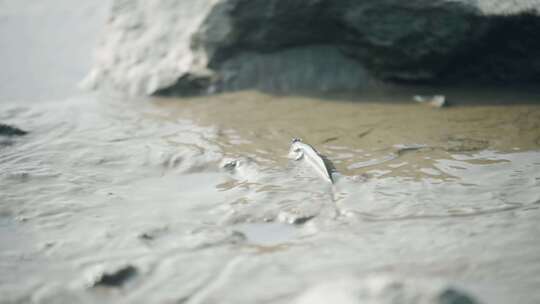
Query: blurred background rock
[(186, 47)]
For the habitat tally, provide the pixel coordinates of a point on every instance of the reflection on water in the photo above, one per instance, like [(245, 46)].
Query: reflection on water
[(184, 190)]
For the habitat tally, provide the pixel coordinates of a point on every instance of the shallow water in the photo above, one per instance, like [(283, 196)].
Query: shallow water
[(102, 182)]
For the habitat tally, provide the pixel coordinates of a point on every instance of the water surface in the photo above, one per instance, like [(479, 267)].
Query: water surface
[(104, 182)]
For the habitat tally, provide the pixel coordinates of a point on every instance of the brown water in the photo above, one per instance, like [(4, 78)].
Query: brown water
[(448, 194)]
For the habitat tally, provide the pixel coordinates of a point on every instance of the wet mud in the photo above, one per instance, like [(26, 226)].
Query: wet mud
[(195, 200)]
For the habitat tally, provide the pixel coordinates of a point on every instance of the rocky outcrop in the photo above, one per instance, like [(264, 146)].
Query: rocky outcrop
[(187, 47)]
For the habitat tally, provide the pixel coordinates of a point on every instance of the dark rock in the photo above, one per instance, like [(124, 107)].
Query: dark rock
[(454, 296), (190, 48), (146, 236), (302, 220), (6, 130), (116, 278), (409, 41)]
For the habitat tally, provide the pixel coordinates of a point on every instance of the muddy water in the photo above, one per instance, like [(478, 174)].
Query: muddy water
[(113, 200)]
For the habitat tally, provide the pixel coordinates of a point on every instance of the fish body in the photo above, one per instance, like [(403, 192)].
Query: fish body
[(302, 151)]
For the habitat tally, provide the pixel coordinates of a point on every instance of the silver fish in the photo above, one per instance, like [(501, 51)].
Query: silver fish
[(300, 150)]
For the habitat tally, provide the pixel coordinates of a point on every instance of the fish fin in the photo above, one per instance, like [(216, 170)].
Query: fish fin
[(329, 166)]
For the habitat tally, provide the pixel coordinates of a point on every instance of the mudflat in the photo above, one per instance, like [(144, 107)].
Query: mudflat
[(108, 199)]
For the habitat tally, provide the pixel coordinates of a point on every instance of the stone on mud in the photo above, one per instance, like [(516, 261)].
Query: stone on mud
[(166, 47), (7, 133), (114, 277), (7, 130)]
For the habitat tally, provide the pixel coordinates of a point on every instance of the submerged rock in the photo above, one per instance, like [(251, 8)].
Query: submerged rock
[(197, 47)]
